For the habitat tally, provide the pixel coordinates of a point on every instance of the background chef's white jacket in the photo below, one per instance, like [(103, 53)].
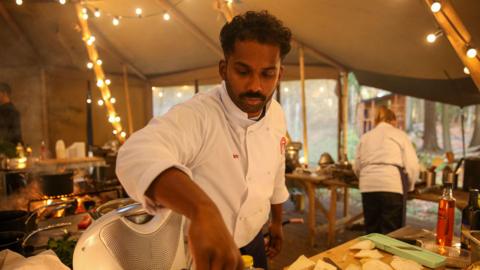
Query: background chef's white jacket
[(238, 162), (389, 145)]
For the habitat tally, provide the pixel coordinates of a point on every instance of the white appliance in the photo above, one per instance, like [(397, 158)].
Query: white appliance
[(129, 238)]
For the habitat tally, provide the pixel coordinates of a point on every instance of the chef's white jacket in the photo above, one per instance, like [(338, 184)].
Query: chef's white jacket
[(379, 147), (238, 162)]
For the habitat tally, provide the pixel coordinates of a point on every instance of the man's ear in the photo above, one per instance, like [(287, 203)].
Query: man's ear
[(222, 69)]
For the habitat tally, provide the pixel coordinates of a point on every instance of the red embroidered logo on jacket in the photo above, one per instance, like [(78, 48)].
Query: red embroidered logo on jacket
[(283, 143)]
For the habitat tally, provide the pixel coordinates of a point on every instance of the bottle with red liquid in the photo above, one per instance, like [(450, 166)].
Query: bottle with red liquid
[(446, 217)]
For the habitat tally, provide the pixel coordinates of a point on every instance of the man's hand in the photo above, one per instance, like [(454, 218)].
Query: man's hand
[(211, 244), (274, 244)]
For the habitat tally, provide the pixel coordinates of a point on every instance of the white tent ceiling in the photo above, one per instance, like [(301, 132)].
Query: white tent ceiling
[(382, 41)]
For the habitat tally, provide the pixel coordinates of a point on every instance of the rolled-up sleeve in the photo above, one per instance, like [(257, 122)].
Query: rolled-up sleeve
[(172, 140), (280, 191)]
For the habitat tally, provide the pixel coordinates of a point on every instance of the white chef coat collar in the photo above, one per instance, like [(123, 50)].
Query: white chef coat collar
[(236, 113)]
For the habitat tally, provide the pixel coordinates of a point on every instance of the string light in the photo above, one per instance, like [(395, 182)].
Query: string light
[(179, 94), (117, 119), (113, 100), (160, 94), (123, 134), (89, 100), (108, 82), (111, 118), (89, 65), (166, 16), (62, 2), (100, 83), (99, 62), (466, 70), (138, 11), (471, 52), (85, 16), (432, 37), (115, 132), (100, 102), (435, 7), (116, 21), (285, 89), (19, 2), (97, 13), (90, 40)]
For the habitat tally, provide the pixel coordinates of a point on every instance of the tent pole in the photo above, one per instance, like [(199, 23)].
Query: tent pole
[(462, 118), (127, 99), (304, 105)]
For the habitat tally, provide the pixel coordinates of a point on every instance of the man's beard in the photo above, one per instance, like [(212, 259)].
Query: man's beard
[(240, 101)]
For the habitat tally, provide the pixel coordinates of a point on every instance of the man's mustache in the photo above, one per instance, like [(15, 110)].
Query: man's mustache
[(253, 95)]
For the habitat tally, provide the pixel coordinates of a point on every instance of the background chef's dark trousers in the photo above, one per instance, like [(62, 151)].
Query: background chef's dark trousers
[(256, 249), (382, 211)]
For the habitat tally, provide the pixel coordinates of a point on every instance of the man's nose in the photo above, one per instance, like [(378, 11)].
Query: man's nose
[(255, 83)]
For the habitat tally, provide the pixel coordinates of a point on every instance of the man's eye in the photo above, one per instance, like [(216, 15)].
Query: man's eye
[(269, 73), (242, 72)]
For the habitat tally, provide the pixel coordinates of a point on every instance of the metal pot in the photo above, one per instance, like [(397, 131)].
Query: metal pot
[(17, 220), (325, 159), (292, 156), (57, 184), (12, 240)]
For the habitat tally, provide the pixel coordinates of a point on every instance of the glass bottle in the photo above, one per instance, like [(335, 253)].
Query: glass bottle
[(446, 217), (467, 215)]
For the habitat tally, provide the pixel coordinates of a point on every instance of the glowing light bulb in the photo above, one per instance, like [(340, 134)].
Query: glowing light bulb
[(99, 62), (100, 83), (97, 13), (84, 10), (100, 102), (166, 16), (89, 100), (471, 52), (160, 94), (108, 82), (89, 65), (139, 12), (115, 132), (62, 2), (117, 119), (285, 89), (111, 118), (466, 70), (123, 134), (431, 38), (116, 21), (179, 94), (85, 16), (90, 40), (113, 100), (435, 7), (302, 160), (19, 2)]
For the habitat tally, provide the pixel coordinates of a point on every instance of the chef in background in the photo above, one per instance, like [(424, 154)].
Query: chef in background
[(387, 165)]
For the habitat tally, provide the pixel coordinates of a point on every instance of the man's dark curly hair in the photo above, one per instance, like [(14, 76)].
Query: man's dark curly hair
[(257, 26)]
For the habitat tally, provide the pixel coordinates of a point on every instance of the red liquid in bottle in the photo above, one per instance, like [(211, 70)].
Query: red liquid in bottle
[(446, 219)]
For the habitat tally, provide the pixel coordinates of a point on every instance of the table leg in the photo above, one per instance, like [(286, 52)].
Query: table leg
[(345, 201), (310, 189), (332, 216)]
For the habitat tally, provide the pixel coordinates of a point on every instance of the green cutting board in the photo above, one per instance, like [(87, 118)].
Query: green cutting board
[(407, 251)]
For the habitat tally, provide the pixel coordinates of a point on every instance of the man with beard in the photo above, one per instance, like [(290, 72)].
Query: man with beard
[(218, 158)]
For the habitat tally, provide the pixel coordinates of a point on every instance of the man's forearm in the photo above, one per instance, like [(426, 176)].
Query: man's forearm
[(277, 213), (175, 190)]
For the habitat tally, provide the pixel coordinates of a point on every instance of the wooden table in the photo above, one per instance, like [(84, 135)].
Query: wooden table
[(310, 182), (433, 195)]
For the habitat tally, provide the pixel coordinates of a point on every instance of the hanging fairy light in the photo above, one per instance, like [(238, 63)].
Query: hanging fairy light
[(160, 94), (117, 119), (89, 65), (116, 20), (97, 13), (62, 2), (466, 70), (90, 40), (123, 134), (115, 132), (432, 37), (111, 118), (108, 82), (138, 12), (166, 16), (100, 102), (99, 62), (471, 52), (179, 94), (436, 6), (100, 83), (113, 100), (89, 100), (285, 89), (19, 2)]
